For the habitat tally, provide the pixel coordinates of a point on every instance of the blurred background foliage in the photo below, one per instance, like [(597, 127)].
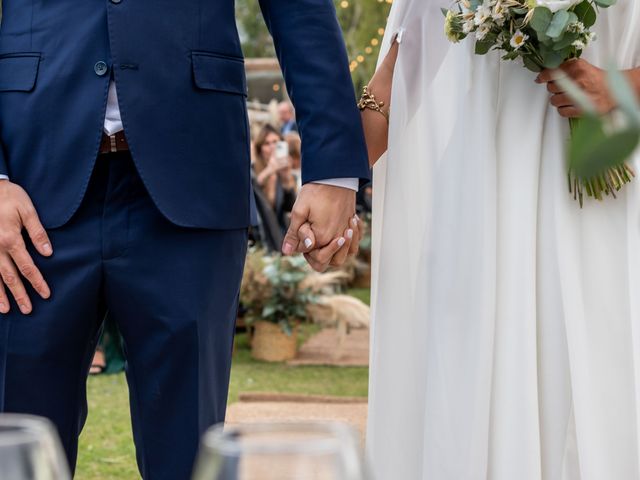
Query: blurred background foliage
[(362, 23)]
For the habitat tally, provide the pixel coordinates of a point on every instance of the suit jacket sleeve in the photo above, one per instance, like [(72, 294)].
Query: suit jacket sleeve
[(313, 57), (3, 164)]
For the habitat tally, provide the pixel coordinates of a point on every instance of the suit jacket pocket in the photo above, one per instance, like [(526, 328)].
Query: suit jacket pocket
[(220, 73), (18, 72)]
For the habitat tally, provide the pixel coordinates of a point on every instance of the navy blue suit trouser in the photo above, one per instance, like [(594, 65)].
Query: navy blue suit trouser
[(173, 293)]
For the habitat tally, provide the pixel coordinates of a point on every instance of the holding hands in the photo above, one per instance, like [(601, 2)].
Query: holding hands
[(324, 226)]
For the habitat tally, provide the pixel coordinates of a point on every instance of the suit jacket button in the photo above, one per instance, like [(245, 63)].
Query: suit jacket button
[(116, 1), (101, 69)]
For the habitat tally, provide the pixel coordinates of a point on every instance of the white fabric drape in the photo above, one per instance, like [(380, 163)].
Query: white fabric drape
[(506, 332)]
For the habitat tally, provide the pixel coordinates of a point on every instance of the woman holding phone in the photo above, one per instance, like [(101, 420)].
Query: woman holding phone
[(273, 171)]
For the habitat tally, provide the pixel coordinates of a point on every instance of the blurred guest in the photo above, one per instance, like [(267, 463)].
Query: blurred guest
[(99, 363), (287, 116), (109, 355), (273, 172), (295, 153)]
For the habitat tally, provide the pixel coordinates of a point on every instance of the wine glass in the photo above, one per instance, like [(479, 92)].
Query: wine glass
[(280, 451), (30, 449)]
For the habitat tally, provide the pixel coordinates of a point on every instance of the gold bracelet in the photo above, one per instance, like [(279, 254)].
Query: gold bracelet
[(368, 101)]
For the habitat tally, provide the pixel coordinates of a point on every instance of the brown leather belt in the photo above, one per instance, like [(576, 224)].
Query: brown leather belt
[(114, 143)]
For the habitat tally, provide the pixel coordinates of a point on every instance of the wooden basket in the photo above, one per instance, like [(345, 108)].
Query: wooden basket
[(271, 344)]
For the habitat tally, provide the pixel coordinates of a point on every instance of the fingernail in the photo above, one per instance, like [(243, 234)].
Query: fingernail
[(341, 241), (349, 234), (308, 242), (24, 309), (354, 221), (287, 249), (45, 293), (3, 307), (47, 249)]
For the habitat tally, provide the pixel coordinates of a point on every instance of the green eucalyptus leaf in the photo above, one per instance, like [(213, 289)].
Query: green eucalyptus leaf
[(483, 47), (558, 24), (624, 95), (565, 41), (592, 151), (551, 58), (541, 19), (586, 13), (605, 3)]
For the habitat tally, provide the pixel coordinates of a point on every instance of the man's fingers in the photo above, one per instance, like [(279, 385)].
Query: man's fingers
[(317, 266), (306, 238), (4, 300), (28, 269), (299, 216), (36, 231), (11, 279)]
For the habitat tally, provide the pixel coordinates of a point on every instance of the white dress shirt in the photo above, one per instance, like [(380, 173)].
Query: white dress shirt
[(113, 125)]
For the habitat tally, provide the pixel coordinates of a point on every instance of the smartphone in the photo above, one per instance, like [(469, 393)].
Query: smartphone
[(282, 151)]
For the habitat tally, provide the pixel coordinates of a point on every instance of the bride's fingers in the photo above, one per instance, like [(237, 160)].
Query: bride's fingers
[(553, 87), (546, 76), (570, 112), (307, 239), (320, 259), (561, 100), (341, 256), (356, 226)]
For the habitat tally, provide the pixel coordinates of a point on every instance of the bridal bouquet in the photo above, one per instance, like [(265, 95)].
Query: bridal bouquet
[(542, 34)]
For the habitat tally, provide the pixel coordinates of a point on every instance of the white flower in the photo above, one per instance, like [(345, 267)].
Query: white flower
[(518, 39), (498, 12), (577, 27), (483, 31), (467, 27), (555, 5), (579, 44), (483, 12)]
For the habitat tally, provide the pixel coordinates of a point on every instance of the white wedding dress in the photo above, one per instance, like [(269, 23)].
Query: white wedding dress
[(506, 339)]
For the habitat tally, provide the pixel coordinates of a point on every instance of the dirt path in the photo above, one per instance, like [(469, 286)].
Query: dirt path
[(296, 408)]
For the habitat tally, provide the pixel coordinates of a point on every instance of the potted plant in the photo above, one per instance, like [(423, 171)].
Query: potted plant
[(275, 301)]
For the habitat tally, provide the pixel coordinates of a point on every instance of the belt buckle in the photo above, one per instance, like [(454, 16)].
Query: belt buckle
[(113, 143)]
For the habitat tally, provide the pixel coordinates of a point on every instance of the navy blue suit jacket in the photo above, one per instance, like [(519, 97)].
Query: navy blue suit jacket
[(182, 91)]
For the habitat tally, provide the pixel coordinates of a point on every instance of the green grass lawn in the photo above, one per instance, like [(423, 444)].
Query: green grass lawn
[(106, 445)]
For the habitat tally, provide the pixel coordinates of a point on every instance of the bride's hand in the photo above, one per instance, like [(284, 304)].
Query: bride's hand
[(376, 126), (591, 79)]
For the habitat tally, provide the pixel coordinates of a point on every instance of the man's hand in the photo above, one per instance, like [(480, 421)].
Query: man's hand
[(323, 226), (16, 212), (591, 79)]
